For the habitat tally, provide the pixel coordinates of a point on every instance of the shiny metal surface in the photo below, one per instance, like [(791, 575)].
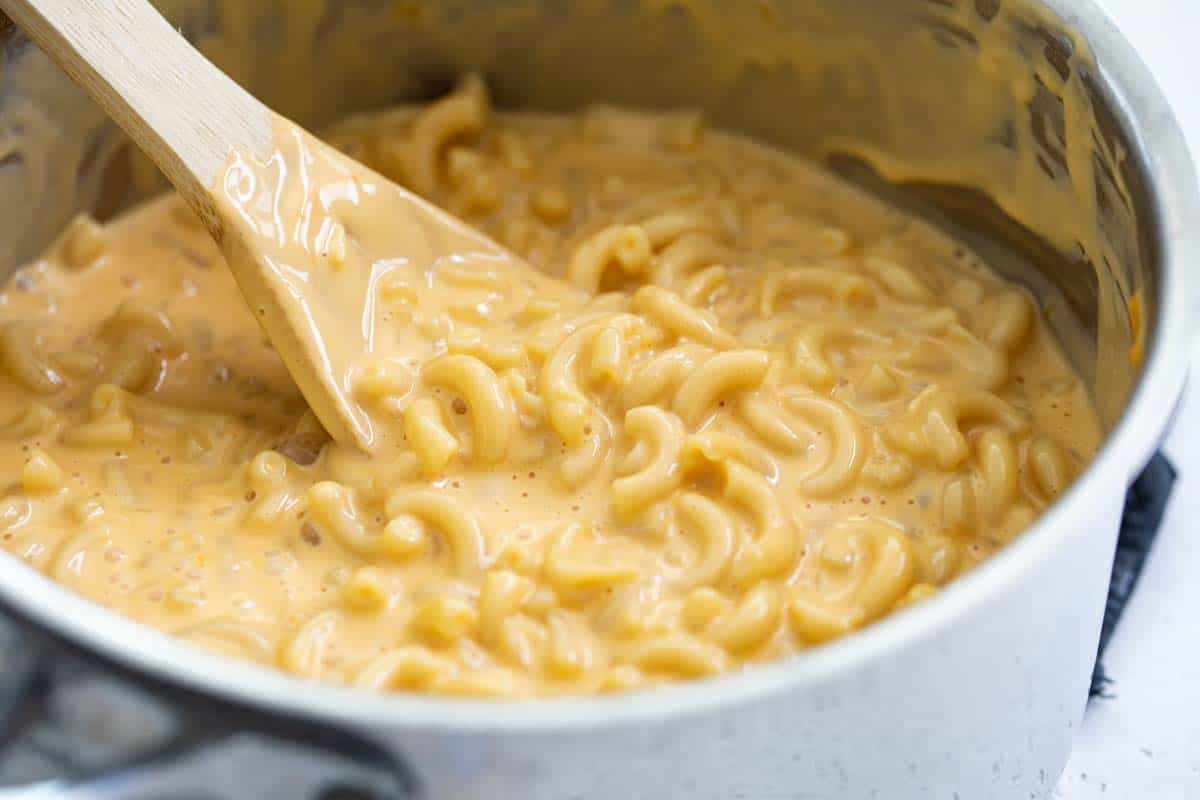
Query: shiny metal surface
[(976, 693)]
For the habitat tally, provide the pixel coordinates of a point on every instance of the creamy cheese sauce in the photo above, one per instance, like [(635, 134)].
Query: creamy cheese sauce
[(317, 240), (739, 409)]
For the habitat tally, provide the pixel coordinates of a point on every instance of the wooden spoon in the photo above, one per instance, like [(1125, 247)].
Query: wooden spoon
[(253, 178)]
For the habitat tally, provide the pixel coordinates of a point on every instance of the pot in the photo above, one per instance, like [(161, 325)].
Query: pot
[(1029, 128)]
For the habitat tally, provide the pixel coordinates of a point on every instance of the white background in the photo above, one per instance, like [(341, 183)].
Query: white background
[(1145, 741)]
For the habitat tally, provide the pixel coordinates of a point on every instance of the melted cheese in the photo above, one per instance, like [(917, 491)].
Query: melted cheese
[(738, 409)]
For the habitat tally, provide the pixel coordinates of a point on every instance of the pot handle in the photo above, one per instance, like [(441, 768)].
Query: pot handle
[(106, 738), (223, 770)]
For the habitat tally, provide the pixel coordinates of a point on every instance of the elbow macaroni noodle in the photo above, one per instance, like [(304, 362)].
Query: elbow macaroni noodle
[(760, 411)]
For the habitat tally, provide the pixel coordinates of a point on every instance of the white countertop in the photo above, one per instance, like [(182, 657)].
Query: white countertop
[(1144, 742)]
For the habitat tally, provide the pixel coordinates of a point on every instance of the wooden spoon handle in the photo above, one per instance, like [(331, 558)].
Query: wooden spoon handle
[(181, 110)]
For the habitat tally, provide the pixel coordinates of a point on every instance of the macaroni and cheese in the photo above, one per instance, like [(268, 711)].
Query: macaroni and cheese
[(740, 409)]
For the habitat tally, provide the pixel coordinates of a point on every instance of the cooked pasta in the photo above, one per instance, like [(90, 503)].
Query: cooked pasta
[(743, 410)]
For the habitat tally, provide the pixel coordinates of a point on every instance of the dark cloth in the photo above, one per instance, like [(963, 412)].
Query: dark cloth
[(1144, 507)]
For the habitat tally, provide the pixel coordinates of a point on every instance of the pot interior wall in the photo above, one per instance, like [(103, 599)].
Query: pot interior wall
[(991, 117)]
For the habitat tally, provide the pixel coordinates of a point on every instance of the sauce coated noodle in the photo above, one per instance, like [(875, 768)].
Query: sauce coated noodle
[(762, 411)]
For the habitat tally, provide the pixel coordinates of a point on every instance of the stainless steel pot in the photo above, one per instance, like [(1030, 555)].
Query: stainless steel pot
[(975, 694)]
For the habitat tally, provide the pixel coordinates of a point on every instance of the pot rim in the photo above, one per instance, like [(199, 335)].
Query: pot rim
[(1163, 153)]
